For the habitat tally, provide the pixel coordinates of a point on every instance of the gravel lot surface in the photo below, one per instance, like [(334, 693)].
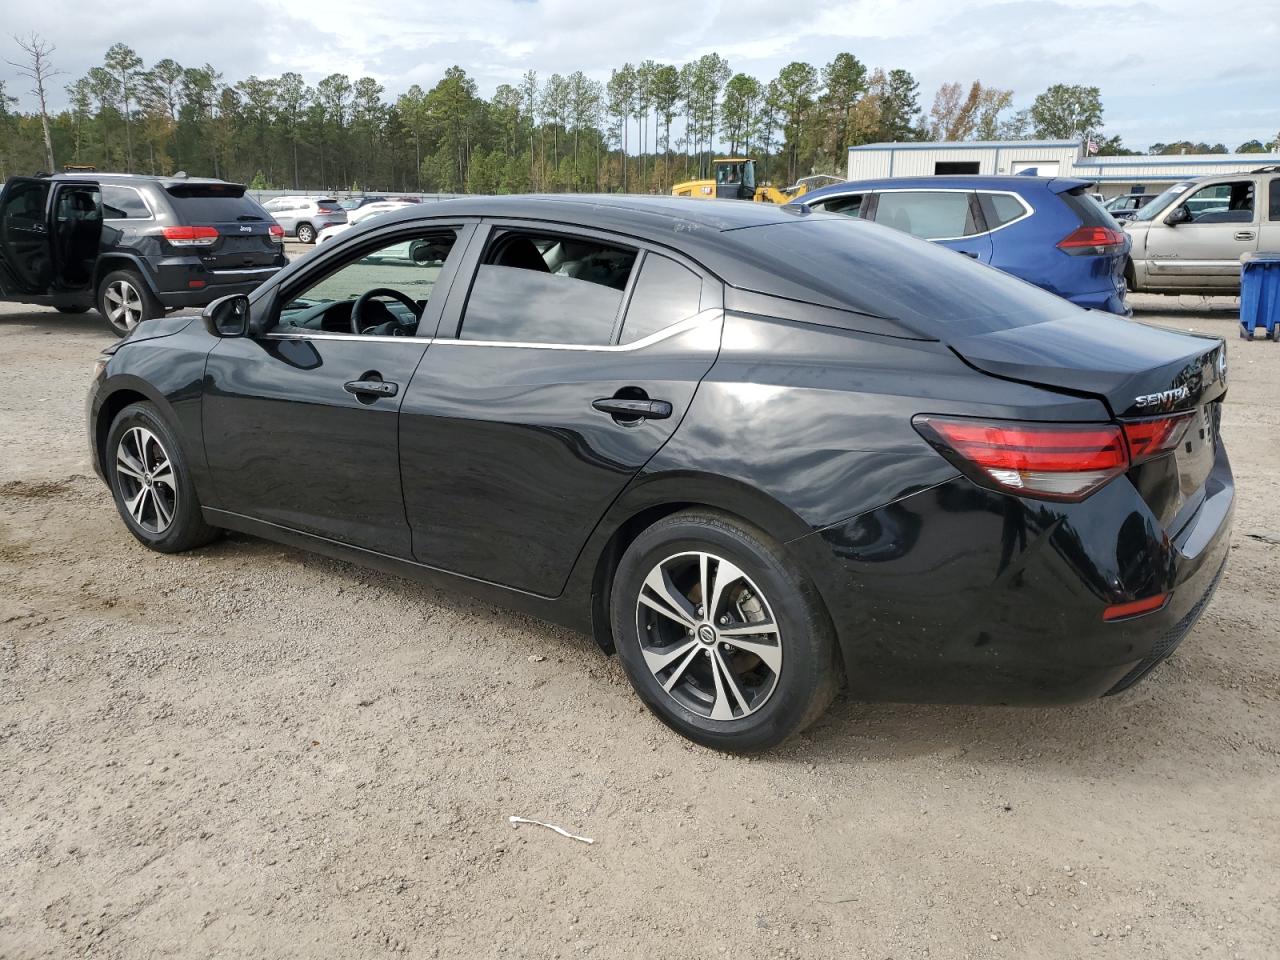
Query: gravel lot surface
[(249, 751)]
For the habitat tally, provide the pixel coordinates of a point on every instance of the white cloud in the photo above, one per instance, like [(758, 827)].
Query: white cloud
[(1166, 70)]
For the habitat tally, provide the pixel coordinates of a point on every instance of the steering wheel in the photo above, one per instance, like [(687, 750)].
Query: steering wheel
[(357, 308)]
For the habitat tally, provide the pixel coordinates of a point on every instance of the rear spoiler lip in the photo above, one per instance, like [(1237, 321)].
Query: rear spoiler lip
[(1067, 184)]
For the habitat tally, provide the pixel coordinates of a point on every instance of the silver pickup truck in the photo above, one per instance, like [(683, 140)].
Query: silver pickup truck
[(1191, 238)]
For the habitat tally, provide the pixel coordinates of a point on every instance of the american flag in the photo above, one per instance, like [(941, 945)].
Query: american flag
[(1091, 146)]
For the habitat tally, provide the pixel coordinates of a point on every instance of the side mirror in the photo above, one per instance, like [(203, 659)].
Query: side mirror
[(1179, 215), (228, 316)]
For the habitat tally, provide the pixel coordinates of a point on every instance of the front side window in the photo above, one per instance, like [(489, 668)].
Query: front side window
[(850, 206), (665, 293), (123, 203), (1222, 203), (1274, 204), (547, 288), (930, 215), (399, 278)]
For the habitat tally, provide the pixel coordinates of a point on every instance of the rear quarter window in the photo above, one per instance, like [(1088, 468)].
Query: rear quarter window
[(1089, 210), (1000, 209), (665, 293), (214, 203)]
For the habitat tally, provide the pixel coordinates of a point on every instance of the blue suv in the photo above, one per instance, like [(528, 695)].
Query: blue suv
[(1046, 230)]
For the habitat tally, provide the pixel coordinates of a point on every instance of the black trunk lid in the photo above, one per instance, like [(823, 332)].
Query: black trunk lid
[(1140, 372)]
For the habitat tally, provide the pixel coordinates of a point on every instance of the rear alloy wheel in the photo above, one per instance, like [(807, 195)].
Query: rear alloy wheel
[(150, 482), (721, 635), (125, 301), (306, 233)]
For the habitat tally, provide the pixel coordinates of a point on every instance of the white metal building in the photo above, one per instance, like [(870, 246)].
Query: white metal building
[(1048, 158)]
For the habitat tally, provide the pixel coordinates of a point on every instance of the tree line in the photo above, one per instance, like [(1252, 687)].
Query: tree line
[(648, 126)]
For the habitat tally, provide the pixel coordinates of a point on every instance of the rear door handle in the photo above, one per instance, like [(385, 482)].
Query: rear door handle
[(371, 388), (1244, 234), (640, 409)]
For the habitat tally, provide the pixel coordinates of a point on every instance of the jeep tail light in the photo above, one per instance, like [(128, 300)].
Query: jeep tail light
[(1048, 461), (1092, 241), (191, 236), (277, 232)]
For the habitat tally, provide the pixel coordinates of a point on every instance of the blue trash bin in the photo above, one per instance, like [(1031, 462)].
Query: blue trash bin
[(1260, 295)]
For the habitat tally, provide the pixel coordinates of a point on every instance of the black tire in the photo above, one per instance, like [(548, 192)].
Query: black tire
[(185, 528), (72, 309), (809, 673), (305, 233), (125, 300)]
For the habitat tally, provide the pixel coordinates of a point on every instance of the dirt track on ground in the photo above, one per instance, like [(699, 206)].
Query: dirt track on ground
[(249, 751)]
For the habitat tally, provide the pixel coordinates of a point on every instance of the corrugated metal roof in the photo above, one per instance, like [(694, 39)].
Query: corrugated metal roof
[(968, 144)]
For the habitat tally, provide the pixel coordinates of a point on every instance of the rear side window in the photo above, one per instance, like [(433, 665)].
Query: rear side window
[(930, 215), (123, 203), (665, 293), (538, 288), (1000, 209), (214, 203), (1274, 203), (1089, 210), (849, 206)]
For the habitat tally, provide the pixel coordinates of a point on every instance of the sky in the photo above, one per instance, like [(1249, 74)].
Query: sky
[(1168, 70)]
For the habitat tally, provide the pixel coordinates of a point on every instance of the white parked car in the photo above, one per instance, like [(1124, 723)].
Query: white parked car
[(368, 211)]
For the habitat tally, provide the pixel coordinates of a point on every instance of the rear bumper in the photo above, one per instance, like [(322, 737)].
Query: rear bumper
[(174, 283), (961, 595), (1108, 301)]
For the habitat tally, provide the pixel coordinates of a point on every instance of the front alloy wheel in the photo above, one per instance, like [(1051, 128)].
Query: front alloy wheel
[(146, 481), (708, 636)]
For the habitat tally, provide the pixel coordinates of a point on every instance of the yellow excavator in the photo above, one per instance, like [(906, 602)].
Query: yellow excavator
[(734, 178)]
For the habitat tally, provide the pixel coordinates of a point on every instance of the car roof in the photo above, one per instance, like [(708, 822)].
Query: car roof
[(126, 178), (1012, 183)]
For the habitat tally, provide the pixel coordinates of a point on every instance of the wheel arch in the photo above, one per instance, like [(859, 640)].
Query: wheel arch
[(110, 262), (127, 390), (653, 498)]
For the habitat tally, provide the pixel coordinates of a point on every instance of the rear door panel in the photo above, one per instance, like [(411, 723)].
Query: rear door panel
[(26, 256)]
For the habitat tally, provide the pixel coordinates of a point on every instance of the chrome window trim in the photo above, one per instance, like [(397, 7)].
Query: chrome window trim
[(302, 334), (1027, 209), (671, 330), (141, 196)]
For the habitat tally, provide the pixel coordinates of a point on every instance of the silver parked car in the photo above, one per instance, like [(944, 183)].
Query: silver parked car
[(1190, 238), (305, 217)]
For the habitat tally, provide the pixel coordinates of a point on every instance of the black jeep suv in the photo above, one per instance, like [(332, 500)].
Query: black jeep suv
[(132, 246)]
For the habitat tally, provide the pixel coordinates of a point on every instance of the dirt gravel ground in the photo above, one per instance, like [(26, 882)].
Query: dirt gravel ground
[(249, 751)]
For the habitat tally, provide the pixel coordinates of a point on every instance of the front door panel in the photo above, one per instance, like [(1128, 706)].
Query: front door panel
[(289, 444), (507, 465)]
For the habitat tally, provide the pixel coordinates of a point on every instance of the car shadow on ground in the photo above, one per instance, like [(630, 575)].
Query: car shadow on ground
[(1079, 739)]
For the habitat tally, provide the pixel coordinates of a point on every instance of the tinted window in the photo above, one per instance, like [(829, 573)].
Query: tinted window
[(1001, 208), (928, 215), (665, 293), (214, 203), (883, 273), (1275, 199), (536, 288), (123, 203), (849, 206), (1089, 210)]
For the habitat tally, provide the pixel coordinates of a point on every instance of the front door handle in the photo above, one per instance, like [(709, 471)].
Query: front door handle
[(371, 388), (626, 409), (1244, 234), (970, 253)]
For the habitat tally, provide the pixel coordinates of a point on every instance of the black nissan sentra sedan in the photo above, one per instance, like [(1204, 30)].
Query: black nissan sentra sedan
[(760, 453)]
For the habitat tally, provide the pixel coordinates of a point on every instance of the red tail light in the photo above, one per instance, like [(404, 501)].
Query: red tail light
[(191, 236), (1048, 461), (1135, 608), (1091, 241), (277, 232)]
